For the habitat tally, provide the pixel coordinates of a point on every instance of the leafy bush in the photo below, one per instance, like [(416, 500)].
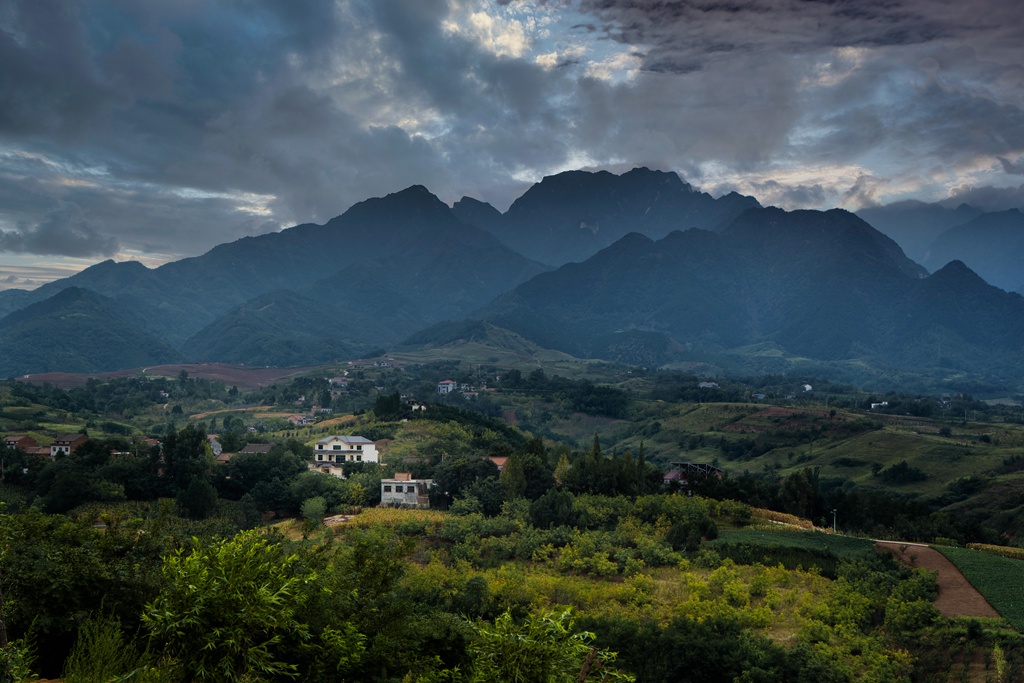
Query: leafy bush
[(902, 473)]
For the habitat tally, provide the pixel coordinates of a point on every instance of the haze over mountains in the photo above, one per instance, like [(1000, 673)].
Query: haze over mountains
[(638, 268)]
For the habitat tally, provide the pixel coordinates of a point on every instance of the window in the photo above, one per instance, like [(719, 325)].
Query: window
[(320, 456), (359, 458), (359, 447), (387, 488), (337, 446)]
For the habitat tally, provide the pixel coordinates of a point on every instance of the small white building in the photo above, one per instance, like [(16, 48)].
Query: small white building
[(446, 386), (66, 444), (405, 491)]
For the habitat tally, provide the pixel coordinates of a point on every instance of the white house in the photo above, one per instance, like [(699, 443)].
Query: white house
[(405, 491), (66, 444), (340, 449), (446, 386)]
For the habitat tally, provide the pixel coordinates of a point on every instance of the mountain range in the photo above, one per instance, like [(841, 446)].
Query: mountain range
[(638, 268)]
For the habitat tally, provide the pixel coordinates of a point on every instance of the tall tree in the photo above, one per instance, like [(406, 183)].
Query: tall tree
[(513, 478)]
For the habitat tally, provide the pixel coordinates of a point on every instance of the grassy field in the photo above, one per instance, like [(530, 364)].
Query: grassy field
[(999, 579), (844, 547)]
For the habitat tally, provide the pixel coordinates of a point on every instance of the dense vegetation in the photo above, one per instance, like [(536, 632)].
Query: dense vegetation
[(187, 568)]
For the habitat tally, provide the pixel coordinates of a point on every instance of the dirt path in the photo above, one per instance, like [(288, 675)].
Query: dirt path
[(957, 597)]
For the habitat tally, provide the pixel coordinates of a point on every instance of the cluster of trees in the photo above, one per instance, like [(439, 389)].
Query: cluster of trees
[(580, 395), (878, 513), (125, 397), (156, 597)]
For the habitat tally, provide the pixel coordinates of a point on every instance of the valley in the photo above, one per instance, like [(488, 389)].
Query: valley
[(608, 444)]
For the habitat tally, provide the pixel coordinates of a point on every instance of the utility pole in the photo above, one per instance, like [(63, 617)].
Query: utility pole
[(833, 520)]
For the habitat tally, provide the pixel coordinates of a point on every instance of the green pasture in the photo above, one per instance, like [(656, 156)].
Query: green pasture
[(843, 547)]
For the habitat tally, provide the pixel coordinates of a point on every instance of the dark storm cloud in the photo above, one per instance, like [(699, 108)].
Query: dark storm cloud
[(695, 30), (786, 196), (1012, 167), (987, 198), (175, 125), (63, 231), (301, 102)]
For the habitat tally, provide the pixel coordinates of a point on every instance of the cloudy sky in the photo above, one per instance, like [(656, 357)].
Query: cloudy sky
[(155, 129)]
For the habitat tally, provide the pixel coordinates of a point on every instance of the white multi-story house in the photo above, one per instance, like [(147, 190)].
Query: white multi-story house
[(446, 386), (341, 449)]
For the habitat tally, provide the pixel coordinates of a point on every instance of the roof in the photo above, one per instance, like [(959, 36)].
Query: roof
[(345, 439), (69, 438), (447, 381), (257, 448)]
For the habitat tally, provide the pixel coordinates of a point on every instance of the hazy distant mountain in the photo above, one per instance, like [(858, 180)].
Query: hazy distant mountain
[(478, 213), (165, 310), (387, 266), (915, 225), (77, 330), (992, 245), (279, 329), (821, 285), (824, 287), (571, 216)]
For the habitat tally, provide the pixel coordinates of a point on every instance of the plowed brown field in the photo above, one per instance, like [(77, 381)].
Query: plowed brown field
[(957, 597)]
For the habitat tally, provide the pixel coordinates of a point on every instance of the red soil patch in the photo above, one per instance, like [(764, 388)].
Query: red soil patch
[(244, 377), (957, 597)]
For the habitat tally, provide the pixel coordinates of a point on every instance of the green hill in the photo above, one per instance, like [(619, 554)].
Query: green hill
[(77, 330)]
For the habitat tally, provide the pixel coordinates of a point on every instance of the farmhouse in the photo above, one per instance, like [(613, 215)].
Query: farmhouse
[(339, 449), (66, 444), (446, 386), (499, 461), (405, 491), (21, 441)]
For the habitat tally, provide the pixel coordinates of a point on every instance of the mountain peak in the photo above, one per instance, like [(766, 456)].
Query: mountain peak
[(957, 269), (670, 179), (413, 200)]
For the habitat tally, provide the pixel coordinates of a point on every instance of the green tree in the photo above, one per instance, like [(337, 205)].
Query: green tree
[(187, 455), (198, 500), (799, 493), (233, 611), (388, 406), (513, 478), (313, 510), (540, 649), (454, 474)]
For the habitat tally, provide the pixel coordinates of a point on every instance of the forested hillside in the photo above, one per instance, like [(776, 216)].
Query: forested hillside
[(574, 559)]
